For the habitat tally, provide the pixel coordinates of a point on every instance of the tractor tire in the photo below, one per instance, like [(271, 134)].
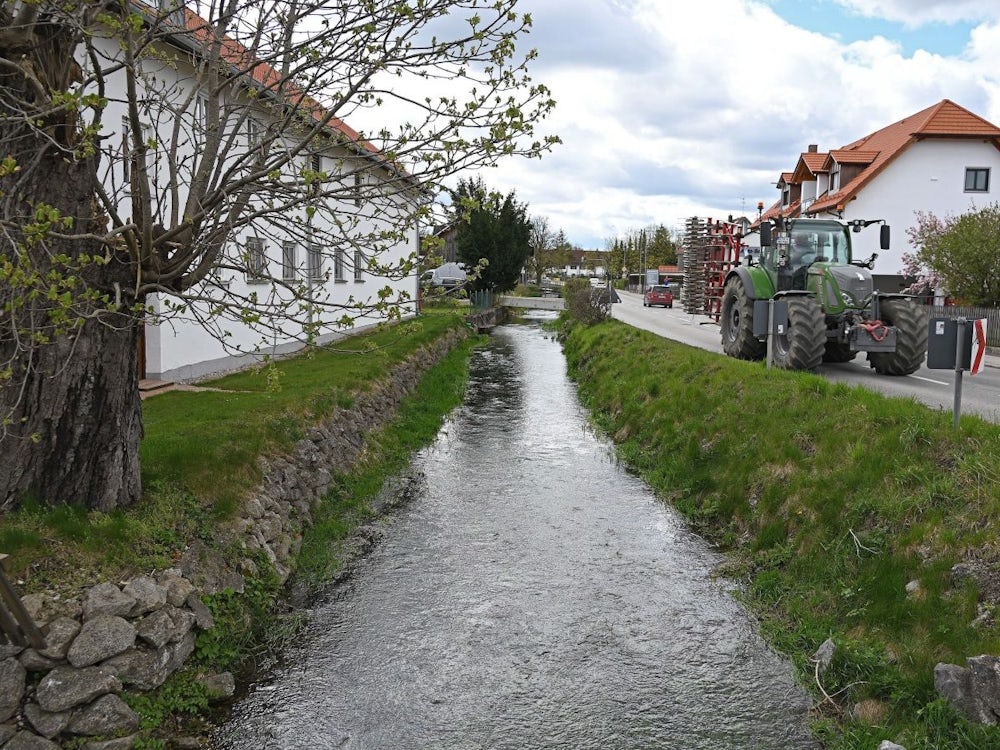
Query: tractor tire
[(802, 346), (737, 323), (911, 322), (837, 352)]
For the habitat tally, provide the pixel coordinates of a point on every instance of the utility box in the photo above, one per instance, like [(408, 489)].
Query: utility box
[(761, 313), (942, 341)]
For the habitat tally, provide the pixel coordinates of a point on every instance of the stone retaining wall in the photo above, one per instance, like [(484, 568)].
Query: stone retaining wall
[(134, 635)]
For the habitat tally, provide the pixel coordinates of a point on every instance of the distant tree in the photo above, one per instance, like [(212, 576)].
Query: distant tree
[(562, 253), (640, 249), (542, 242), (615, 253), (662, 250), (494, 234), (962, 253)]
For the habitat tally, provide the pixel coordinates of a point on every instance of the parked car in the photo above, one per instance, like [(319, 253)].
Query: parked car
[(658, 294), (450, 276)]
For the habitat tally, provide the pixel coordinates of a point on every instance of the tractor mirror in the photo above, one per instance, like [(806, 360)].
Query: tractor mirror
[(765, 234), (884, 236)]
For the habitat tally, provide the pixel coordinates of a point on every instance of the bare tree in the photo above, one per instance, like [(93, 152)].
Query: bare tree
[(541, 240), (144, 148)]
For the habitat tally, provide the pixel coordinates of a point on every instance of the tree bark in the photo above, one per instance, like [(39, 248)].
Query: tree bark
[(71, 399), (75, 415)]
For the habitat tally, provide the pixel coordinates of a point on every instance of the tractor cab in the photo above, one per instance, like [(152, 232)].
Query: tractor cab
[(794, 247)]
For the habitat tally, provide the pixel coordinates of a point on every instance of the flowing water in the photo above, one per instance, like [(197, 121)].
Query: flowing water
[(532, 594)]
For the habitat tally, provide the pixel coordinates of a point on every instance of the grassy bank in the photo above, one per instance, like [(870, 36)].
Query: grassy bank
[(830, 501), (199, 461)]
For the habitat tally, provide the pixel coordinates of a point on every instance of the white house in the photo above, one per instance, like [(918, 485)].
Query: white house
[(345, 249), (940, 160)]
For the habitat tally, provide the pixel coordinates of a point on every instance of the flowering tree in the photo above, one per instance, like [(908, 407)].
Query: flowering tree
[(959, 254), (137, 140)]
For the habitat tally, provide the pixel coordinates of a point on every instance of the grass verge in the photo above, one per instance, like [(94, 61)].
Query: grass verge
[(199, 460), (830, 500)]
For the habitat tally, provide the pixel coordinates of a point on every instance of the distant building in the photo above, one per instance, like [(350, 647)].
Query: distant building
[(589, 263)]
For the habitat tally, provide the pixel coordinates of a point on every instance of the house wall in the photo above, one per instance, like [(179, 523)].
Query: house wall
[(930, 177), (192, 343)]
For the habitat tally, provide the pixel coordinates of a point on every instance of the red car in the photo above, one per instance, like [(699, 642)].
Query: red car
[(658, 294)]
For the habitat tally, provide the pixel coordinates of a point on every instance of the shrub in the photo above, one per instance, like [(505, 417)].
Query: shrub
[(584, 303)]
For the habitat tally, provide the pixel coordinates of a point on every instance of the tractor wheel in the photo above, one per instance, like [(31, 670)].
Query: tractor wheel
[(910, 320), (802, 345), (837, 352), (737, 323)]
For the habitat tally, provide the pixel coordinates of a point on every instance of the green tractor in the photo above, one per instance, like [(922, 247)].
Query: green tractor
[(833, 310)]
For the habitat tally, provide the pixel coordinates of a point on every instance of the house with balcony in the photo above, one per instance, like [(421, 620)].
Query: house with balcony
[(942, 160)]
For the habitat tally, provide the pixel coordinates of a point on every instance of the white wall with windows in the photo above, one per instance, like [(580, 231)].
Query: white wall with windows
[(273, 255), (929, 176)]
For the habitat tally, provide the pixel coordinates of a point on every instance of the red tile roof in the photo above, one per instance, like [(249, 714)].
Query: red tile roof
[(849, 156), (776, 210), (877, 150), (810, 163), (261, 73)]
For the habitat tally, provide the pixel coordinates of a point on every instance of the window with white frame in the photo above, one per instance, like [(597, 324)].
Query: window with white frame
[(256, 259), (315, 261), (359, 265), (835, 178), (977, 179), (338, 264), (288, 260)]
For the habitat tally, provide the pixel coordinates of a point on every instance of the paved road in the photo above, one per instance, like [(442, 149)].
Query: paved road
[(936, 388)]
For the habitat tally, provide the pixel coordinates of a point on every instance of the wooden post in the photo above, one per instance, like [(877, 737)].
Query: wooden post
[(14, 618)]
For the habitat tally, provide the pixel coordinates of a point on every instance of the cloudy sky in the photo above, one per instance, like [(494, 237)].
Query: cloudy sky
[(670, 109)]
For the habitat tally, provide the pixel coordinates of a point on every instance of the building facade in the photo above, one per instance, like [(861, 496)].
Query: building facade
[(291, 228)]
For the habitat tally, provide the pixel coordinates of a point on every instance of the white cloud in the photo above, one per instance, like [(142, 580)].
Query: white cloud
[(914, 13), (667, 113)]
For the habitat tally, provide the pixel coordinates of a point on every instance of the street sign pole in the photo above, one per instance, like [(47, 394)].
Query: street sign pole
[(959, 354), (770, 333)]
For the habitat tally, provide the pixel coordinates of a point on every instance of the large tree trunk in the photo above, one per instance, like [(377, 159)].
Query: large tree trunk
[(75, 416), (71, 401)]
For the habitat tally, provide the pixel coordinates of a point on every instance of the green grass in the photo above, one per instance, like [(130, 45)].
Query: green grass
[(829, 500), (199, 459), (418, 421)]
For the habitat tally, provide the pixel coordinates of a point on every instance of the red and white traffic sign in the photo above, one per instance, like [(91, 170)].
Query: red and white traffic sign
[(978, 346)]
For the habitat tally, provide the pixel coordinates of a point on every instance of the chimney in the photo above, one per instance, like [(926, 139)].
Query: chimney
[(813, 148)]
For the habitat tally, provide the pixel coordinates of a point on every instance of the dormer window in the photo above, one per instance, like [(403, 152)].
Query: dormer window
[(786, 196), (835, 178)]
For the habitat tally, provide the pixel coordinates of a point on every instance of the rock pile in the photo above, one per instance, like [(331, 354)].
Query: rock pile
[(111, 639)]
